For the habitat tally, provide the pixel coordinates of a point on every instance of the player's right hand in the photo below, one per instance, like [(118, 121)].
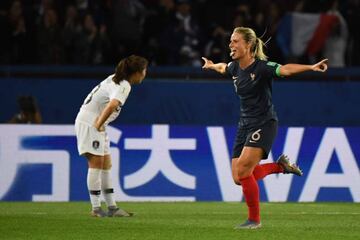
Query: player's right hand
[(98, 127), (207, 63)]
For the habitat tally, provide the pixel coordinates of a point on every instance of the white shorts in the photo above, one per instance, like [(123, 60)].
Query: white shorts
[(90, 140)]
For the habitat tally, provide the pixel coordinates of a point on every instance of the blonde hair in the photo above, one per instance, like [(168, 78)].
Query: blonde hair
[(257, 45)]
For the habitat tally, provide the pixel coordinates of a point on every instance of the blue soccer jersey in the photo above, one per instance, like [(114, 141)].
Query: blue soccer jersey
[(254, 87)]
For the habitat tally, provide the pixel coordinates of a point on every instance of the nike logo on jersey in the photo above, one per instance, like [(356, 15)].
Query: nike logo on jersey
[(252, 75), (234, 78)]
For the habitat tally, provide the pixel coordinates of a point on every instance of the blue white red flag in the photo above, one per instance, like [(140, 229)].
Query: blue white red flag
[(304, 33)]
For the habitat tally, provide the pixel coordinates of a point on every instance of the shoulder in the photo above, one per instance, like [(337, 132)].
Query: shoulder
[(231, 67), (231, 64), (270, 67), (267, 64), (109, 78), (123, 86)]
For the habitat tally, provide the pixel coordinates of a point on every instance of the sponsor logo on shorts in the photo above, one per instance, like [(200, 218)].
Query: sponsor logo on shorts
[(96, 144)]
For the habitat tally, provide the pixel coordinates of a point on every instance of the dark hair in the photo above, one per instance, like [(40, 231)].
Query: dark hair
[(29, 111), (27, 104), (128, 66)]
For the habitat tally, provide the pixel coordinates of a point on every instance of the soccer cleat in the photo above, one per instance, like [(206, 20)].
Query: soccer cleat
[(98, 212), (248, 225), (284, 162), (118, 212)]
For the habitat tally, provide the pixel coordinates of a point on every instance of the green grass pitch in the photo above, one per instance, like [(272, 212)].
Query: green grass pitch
[(180, 220)]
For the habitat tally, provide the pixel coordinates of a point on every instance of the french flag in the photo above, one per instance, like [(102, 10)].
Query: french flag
[(304, 33)]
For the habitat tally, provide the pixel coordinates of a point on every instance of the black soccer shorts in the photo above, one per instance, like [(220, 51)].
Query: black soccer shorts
[(262, 137)]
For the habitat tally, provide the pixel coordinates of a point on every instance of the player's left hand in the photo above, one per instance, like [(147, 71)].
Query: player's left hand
[(320, 66)]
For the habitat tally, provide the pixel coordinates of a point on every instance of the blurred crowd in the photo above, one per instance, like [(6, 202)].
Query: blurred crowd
[(167, 32)]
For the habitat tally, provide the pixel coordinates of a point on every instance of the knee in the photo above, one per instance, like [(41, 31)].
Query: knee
[(242, 173), (95, 164), (237, 180), (107, 166)]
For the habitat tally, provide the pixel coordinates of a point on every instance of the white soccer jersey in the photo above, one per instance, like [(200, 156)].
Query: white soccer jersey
[(99, 97)]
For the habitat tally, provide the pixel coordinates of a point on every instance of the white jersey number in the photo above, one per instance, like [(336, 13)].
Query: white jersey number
[(89, 97)]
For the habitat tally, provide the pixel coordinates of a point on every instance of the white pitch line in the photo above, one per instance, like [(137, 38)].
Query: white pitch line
[(321, 213)]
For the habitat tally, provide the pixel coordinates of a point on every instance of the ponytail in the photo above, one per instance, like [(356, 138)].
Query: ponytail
[(259, 49), (120, 71)]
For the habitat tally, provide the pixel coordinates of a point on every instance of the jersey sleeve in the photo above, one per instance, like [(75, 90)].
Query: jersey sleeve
[(272, 68), (121, 93), (230, 68)]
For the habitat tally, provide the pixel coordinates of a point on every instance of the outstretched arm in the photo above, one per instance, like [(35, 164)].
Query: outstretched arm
[(218, 67), (291, 68)]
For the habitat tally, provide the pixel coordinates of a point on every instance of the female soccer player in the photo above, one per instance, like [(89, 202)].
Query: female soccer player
[(101, 106), (253, 75)]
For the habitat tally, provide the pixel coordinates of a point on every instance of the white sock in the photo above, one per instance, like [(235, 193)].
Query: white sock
[(107, 188), (94, 186)]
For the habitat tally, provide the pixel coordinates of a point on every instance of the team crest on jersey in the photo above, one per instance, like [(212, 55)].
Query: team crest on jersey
[(96, 144), (252, 75)]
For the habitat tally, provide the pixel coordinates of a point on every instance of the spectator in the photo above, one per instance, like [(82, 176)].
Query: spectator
[(168, 32), (216, 48), (242, 15), (129, 16), (28, 111), (270, 27), (181, 39), (50, 44), (71, 31), (335, 46), (16, 45), (91, 44), (41, 8), (353, 16), (155, 24), (82, 7)]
